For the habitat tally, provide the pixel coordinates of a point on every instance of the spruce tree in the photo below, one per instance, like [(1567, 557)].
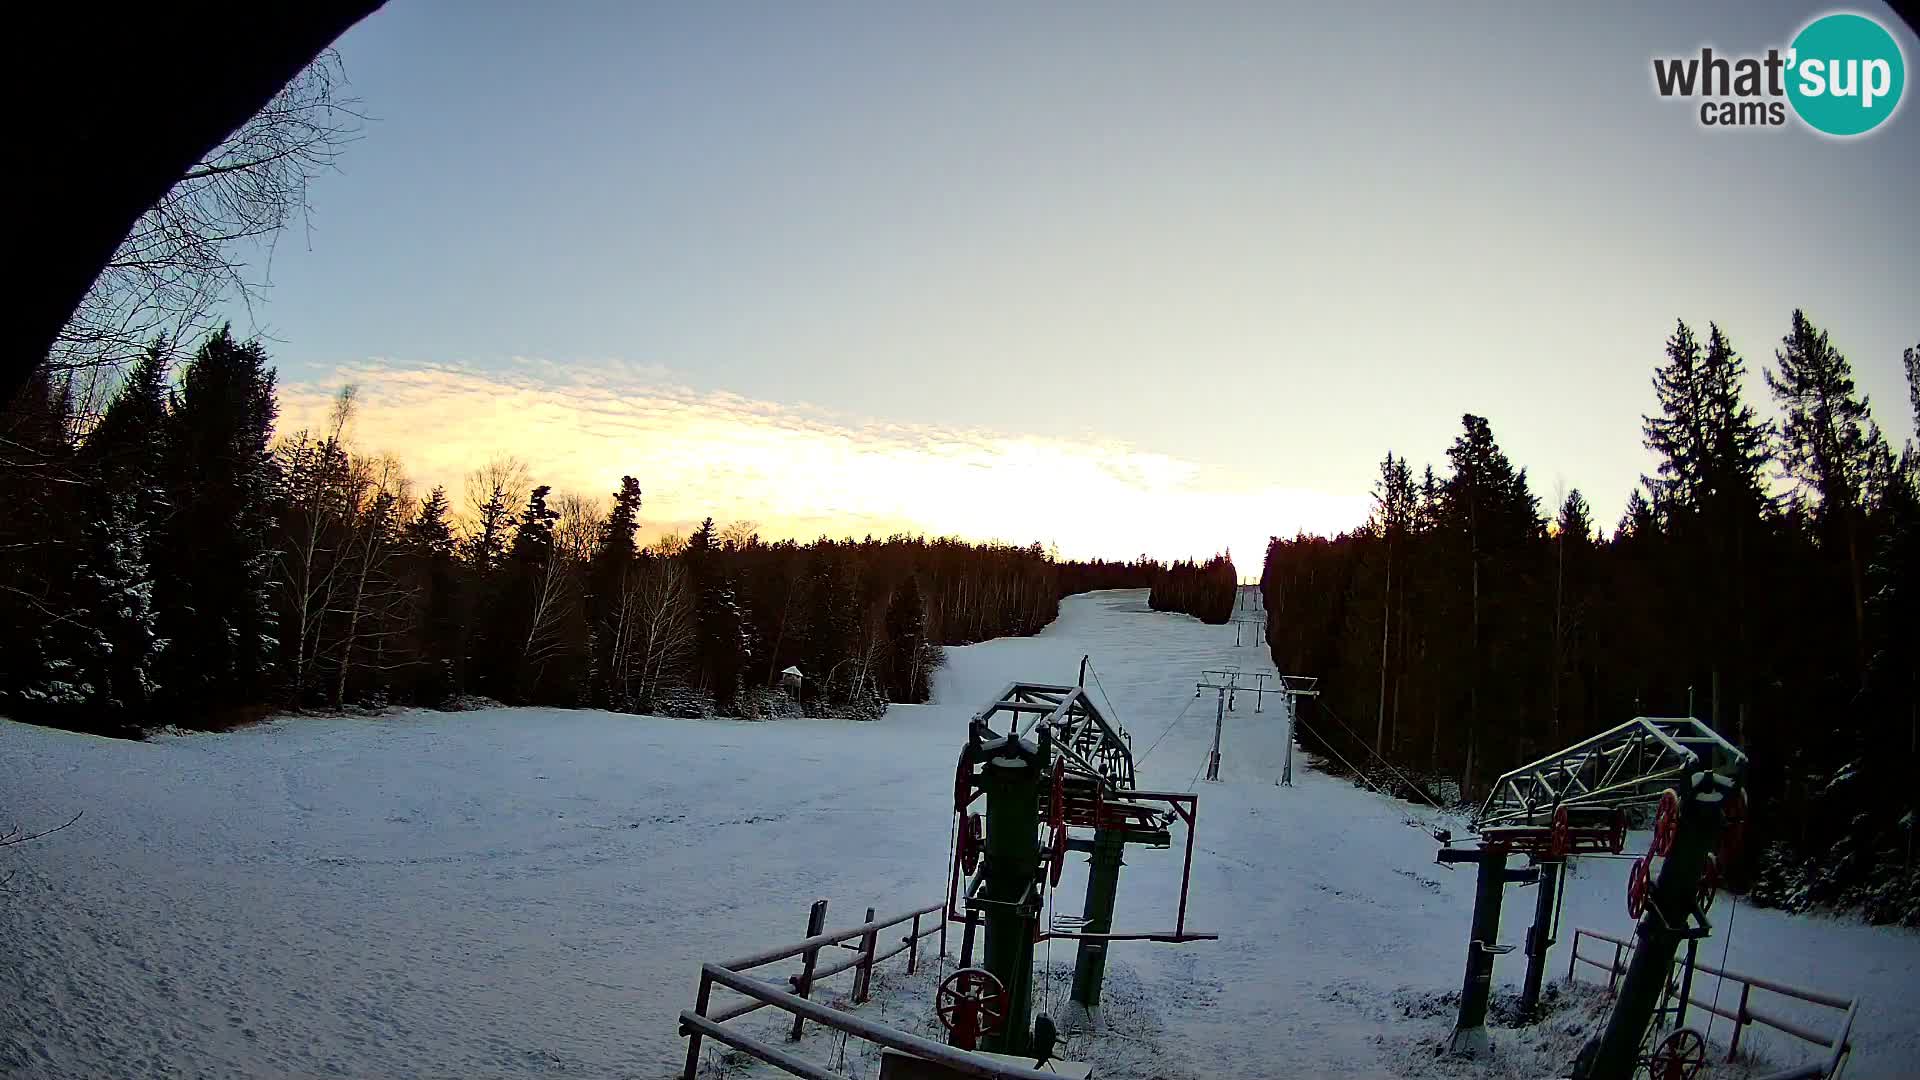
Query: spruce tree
[(533, 536), (721, 643), (214, 559), (428, 559), (913, 656), (610, 615), (1713, 453), (1831, 448), (1491, 516), (43, 663), (114, 578), (429, 533)]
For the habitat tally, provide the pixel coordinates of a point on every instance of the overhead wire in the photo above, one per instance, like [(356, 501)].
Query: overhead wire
[(1725, 945), (1169, 728), (1329, 746), (1404, 778)]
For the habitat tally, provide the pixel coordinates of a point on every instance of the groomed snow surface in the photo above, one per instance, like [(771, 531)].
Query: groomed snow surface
[(524, 892)]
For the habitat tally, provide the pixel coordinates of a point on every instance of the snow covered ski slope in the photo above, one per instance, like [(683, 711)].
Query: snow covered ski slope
[(530, 892)]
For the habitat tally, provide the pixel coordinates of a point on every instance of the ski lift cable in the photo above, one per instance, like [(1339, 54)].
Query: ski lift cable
[(1726, 944), (1404, 778), (1167, 731), (1191, 784), (1094, 670), (1375, 788)]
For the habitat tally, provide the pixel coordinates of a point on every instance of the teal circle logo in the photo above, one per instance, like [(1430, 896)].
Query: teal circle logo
[(1845, 74)]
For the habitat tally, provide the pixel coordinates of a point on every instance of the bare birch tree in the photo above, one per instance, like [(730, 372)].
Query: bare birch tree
[(196, 247)]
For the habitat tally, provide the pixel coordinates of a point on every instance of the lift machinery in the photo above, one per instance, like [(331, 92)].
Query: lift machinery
[(1055, 776), (1577, 801)]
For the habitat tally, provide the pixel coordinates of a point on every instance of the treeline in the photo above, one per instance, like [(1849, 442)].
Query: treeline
[(1205, 591), (1094, 574), (1463, 632), (178, 563)]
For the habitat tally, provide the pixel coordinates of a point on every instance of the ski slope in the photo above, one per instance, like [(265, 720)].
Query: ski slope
[(527, 892)]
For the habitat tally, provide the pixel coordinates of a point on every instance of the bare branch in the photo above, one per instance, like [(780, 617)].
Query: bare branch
[(14, 838), (187, 253)]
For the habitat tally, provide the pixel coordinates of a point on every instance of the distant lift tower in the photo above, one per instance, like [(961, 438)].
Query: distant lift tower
[(1229, 683), (1249, 617)]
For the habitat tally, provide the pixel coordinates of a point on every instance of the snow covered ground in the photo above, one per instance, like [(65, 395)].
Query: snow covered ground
[(531, 892)]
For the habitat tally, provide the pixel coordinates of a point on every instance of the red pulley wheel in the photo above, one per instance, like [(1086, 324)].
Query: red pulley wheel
[(1666, 822), (971, 843), (1057, 856), (1638, 882), (1680, 1056), (1709, 882), (1734, 831), (963, 783), (1057, 809), (971, 1002), (1560, 840)]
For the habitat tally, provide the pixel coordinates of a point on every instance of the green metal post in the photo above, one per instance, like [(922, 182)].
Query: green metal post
[(1662, 927), (1012, 778), (1539, 940), (1470, 1030), (1103, 881)]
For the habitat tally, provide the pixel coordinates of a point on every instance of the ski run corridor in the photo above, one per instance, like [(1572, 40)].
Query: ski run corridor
[(531, 893)]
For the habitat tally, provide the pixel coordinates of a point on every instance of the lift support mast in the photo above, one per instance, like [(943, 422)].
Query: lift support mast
[(1576, 801), (1057, 764)]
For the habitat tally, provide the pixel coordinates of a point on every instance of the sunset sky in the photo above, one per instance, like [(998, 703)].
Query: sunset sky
[(1119, 277)]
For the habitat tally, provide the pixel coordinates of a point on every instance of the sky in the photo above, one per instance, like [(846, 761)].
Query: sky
[(1116, 277)]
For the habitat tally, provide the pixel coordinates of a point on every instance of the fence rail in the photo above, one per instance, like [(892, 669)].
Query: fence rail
[(1838, 1042), (863, 941)]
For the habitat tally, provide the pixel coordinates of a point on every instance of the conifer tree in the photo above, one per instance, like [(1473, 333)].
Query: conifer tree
[(214, 562), (1832, 449), (721, 643), (913, 655), (428, 549), (612, 601), (1490, 514)]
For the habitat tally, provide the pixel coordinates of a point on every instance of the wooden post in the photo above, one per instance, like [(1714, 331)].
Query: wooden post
[(913, 946), (1613, 972), (863, 972), (1740, 1021), (700, 1006), (816, 923), (1573, 955)]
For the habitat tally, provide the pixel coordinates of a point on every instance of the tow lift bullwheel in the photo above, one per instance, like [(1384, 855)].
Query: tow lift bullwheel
[(1666, 822), (1680, 1056), (963, 782), (1734, 830), (1709, 883), (1056, 854), (1639, 880), (972, 842), (1560, 837), (971, 1002), (1057, 804)]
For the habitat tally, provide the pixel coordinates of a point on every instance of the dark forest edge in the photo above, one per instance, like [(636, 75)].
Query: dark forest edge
[(1460, 634), (173, 562)]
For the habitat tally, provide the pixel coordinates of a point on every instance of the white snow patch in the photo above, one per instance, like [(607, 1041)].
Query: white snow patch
[(522, 892)]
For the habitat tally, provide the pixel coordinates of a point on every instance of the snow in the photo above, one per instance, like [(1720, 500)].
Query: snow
[(521, 892)]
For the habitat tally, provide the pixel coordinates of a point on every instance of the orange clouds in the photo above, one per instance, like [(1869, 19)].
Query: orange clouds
[(803, 472)]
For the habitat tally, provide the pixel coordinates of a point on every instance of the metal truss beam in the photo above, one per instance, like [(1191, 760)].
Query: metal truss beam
[(1628, 764)]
